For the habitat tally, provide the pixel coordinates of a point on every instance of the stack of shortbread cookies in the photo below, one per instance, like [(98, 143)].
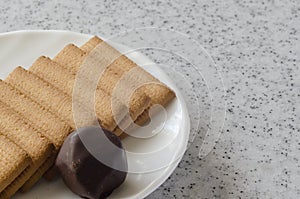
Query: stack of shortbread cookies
[(37, 113)]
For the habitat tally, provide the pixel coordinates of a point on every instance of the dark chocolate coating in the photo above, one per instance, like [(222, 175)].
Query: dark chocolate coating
[(82, 172)]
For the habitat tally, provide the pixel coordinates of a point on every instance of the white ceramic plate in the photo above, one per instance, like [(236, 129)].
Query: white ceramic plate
[(22, 48)]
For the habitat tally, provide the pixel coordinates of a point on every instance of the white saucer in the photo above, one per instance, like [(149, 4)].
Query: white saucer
[(22, 48)]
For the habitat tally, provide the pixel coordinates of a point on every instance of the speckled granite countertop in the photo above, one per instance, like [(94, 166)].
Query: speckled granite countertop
[(255, 43)]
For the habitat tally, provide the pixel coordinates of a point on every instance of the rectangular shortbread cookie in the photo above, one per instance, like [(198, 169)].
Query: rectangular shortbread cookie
[(47, 123), (48, 96), (14, 161)]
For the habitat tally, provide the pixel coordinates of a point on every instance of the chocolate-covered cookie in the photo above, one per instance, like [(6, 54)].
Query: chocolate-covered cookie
[(92, 162)]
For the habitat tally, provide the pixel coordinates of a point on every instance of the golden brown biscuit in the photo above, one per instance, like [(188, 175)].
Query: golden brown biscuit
[(13, 127), (72, 58), (48, 96), (14, 161), (47, 123), (138, 100), (32, 142), (53, 73), (91, 44), (61, 78), (158, 92), (39, 173), (11, 189)]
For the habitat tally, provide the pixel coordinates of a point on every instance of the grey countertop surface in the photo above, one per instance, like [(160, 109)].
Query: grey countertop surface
[(255, 44)]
